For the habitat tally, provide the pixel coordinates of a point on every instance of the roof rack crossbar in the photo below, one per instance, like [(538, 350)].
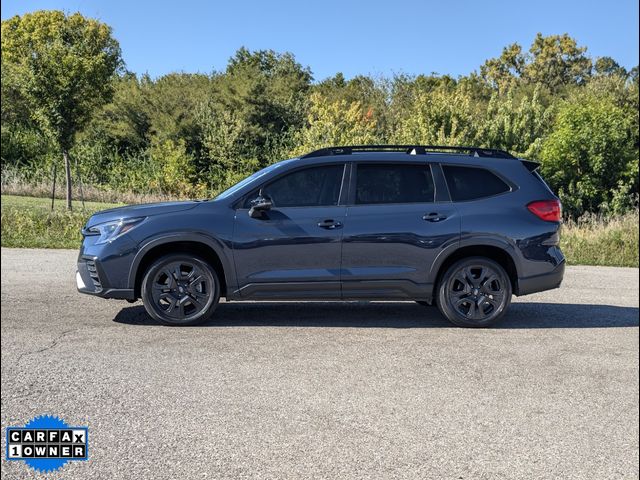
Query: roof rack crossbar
[(408, 149)]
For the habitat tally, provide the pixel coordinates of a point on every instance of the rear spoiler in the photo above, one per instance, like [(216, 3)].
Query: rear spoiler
[(531, 166)]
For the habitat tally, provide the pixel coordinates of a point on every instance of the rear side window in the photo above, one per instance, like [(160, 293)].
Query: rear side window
[(394, 183), (467, 183)]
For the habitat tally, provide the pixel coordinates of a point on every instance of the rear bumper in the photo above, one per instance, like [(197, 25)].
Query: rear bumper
[(90, 279), (540, 283)]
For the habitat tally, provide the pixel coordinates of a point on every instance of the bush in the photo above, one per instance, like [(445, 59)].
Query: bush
[(590, 155)]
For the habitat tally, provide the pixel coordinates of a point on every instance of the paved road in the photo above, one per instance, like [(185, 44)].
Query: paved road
[(327, 390)]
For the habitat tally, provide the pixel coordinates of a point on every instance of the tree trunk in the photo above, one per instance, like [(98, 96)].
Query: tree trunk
[(67, 171), (54, 171)]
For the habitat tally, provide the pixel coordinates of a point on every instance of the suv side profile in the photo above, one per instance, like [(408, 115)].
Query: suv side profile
[(463, 228)]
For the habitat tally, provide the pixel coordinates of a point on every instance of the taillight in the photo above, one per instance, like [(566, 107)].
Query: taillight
[(547, 210)]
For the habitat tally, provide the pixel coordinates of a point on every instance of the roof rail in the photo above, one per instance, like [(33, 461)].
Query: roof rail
[(408, 149)]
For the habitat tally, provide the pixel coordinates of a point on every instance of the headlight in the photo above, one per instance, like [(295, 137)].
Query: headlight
[(109, 231)]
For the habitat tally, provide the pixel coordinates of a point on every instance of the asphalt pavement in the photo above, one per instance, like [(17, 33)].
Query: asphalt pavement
[(326, 389)]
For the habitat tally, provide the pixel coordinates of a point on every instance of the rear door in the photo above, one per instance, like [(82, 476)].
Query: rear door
[(293, 250), (394, 229)]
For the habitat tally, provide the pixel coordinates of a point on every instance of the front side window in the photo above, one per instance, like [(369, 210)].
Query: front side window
[(469, 183), (311, 187), (394, 183)]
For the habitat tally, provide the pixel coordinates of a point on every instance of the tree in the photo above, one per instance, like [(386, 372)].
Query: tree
[(556, 61), (125, 122), (336, 123), (63, 66), (512, 125), (267, 92), (368, 92), (444, 116), (607, 66), (503, 71), (590, 156)]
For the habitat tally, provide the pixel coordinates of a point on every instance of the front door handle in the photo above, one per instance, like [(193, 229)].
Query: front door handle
[(329, 224), (433, 217)]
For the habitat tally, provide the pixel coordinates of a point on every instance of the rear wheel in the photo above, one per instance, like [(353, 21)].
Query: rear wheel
[(474, 292), (180, 289)]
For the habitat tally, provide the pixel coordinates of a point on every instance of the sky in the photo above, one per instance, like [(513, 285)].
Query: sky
[(353, 37)]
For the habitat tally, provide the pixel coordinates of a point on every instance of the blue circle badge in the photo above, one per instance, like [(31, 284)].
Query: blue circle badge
[(46, 443)]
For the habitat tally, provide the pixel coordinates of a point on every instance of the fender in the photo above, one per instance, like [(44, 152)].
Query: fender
[(467, 240), (214, 243)]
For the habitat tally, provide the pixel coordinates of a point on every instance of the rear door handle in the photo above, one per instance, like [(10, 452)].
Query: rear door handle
[(329, 224), (433, 217)]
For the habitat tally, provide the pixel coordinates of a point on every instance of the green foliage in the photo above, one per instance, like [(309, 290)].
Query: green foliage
[(443, 116), (555, 61), (337, 122), (61, 66), (512, 125), (266, 92), (176, 169), (588, 156)]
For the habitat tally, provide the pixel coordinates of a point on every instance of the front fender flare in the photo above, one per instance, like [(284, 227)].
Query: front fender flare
[(215, 244)]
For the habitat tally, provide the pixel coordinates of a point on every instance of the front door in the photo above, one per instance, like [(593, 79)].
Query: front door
[(393, 232), (293, 249)]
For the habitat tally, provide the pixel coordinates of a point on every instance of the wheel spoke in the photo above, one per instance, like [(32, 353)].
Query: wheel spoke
[(195, 300), (487, 283), (473, 310), (196, 281), (172, 302), (468, 277), (177, 272), (482, 275)]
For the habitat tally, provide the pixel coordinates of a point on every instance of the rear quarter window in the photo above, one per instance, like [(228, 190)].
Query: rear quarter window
[(470, 183)]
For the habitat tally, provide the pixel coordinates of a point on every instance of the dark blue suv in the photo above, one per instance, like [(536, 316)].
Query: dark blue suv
[(462, 228)]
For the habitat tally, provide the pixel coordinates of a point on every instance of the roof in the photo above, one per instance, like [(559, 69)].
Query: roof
[(410, 150)]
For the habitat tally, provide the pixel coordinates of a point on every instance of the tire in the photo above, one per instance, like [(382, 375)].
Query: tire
[(474, 292), (180, 289)]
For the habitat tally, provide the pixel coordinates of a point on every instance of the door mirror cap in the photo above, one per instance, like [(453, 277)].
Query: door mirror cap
[(260, 205)]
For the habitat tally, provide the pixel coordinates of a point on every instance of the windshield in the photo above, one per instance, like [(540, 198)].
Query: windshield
[(251, 179)]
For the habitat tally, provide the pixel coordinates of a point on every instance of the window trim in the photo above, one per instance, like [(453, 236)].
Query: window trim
[(353, 184), (239, 204), (512, 186)]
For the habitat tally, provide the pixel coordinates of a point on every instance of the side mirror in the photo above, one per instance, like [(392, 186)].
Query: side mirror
[(260, 205)]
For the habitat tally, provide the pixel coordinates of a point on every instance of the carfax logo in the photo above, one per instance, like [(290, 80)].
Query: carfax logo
[(46, 443)]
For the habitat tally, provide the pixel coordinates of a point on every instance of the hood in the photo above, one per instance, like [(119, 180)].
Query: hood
[(142, 210)]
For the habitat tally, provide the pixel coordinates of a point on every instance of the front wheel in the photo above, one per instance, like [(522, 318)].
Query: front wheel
[(180, 289), (474, 292)]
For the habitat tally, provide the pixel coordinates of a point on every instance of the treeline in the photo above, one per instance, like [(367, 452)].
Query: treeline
[(191, 135)]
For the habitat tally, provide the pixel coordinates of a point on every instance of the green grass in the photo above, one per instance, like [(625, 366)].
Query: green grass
[(29, 222), (597, 241)]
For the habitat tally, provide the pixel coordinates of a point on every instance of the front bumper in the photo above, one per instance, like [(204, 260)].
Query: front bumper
[(90, 279), (540, 283)]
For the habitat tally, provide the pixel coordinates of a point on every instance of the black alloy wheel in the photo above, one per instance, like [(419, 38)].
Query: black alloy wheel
[(474, 292), (180, 289)]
